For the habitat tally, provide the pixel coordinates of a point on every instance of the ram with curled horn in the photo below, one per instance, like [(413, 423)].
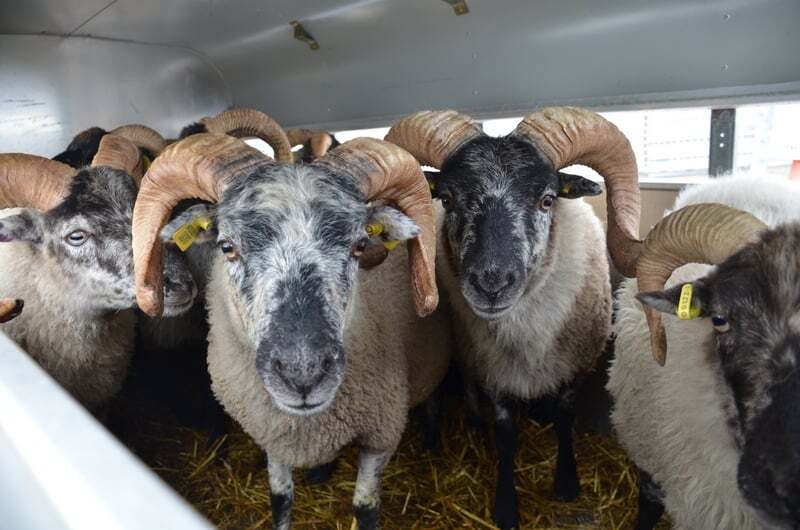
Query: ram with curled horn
[(84, 146), (306, 351), (245, 123), (713, 426), (524, 260), (65, 248)]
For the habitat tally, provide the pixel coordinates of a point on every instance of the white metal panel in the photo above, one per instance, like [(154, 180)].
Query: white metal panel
[(57, 454), (53, 87)]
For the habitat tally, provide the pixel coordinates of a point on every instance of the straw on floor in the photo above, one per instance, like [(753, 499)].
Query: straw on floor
[(225, 478)]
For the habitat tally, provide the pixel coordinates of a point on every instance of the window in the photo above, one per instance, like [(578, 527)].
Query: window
[(672, 145)]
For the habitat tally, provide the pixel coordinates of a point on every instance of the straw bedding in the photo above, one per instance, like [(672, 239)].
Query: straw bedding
[(224, 477)]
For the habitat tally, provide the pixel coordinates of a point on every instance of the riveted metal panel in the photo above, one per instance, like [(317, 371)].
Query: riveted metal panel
[(54, 87)]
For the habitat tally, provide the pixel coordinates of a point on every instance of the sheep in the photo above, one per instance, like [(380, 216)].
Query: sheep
[(66, 250), (84, 146), (307, 353), (526, 272), (713, 431)]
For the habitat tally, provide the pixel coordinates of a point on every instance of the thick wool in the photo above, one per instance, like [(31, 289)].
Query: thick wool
[(674, 420), (88, 354), (394, 361), (559, 326)]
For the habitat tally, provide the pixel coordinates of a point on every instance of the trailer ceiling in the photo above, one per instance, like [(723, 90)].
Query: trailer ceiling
[(379, 59)]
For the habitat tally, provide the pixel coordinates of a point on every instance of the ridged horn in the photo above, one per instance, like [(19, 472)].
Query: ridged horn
[(569, 135), (250, 122), (700, 233), (29, 181), (387, 172), (319, 141), (119, 153), (432, 136), (143, 137), (198, 167)]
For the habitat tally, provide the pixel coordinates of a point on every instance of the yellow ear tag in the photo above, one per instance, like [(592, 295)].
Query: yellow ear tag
[(685, 309), (185, 235), (431, 186), (146, 163), (374, 229), (565, 190)]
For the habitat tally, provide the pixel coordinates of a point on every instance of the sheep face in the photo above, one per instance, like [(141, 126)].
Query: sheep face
[(85, 244), (500, 195), (753, 301), (289, 238)]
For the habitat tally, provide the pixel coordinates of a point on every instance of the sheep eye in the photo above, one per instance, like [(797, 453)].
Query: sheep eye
[(447, 200), (360, 247), (547, 202), (229, 250), (720, 323), (77, 238)]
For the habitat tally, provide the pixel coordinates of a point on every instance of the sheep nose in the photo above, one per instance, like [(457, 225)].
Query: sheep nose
[(303, 379), (172, 285), (491, 283)]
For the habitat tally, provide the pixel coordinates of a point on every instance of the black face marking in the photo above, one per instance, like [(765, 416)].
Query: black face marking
[(496, 230)]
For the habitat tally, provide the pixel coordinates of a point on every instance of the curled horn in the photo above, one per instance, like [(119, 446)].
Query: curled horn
[(199, 167), (387, 172), (319, 141), (432, 136), (249, 122), (143, 137), (29, 181), (569, 135), (119, 153), (700, 233)]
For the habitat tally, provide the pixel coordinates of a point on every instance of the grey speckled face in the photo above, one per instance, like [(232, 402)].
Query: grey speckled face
[(499, 194), (288, 235), (87, 241)]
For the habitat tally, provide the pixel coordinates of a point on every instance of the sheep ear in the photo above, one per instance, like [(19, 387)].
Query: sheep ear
[(26, 225), (394, 224), (193, 214), (574, 186), (667, 301)]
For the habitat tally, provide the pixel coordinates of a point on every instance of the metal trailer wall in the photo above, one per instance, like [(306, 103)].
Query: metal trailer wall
[(52, 87), (171, 61)]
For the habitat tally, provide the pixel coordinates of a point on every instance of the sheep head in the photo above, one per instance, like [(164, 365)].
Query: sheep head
[(289, 239), (79, 223), (501, 195)]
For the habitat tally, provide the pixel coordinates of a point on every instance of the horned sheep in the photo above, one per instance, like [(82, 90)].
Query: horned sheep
[(306, 352), (66, 250), (714, 431), (524, 263)]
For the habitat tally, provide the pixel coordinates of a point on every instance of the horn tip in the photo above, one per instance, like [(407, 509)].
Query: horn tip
[(150, 301), (427, 304)]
